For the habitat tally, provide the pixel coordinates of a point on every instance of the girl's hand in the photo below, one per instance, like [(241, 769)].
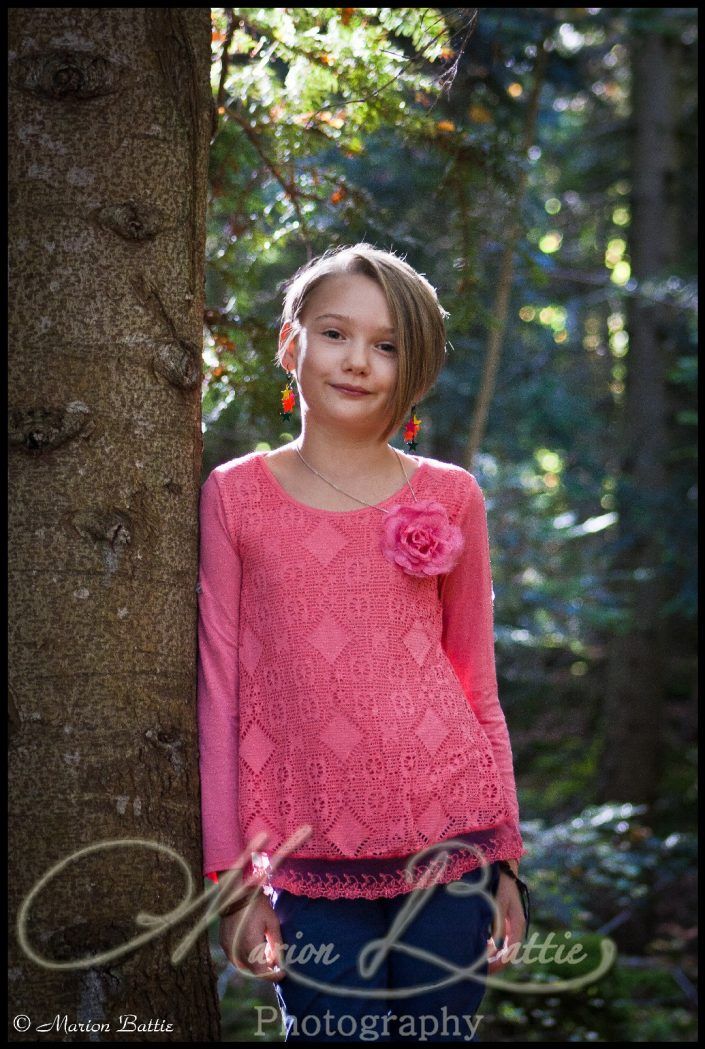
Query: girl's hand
[(508, 924), (246, 931)]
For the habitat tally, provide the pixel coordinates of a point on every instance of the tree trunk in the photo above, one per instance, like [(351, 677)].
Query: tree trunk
[(633, 727), (110, 119), (505, 277)]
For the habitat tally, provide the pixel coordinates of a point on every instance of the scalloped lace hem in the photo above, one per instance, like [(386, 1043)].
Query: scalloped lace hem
[(335, 885)]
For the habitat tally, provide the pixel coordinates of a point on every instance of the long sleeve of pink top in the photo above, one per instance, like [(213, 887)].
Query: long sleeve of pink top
[(218, 710), (468, 635)]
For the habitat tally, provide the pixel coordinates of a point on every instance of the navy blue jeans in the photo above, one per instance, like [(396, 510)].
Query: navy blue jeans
[(388, 993)]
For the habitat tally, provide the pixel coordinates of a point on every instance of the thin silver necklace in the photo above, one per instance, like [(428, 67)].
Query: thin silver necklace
[(403, 470)]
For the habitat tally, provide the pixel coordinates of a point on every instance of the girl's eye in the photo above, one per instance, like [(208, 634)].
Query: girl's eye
[(388, 347)]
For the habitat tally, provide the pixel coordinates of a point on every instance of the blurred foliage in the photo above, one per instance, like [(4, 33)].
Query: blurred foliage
[(401, 127), (605, 873)]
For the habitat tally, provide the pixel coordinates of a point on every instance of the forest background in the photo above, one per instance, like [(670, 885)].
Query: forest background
[(539, 166)]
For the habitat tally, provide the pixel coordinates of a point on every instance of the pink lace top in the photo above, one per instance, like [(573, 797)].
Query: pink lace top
[(339, 693)]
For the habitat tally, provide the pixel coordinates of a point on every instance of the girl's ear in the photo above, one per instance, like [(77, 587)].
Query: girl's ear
[(287, 336)]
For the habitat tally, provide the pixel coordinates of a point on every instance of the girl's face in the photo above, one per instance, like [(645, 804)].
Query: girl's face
[(347, 338)]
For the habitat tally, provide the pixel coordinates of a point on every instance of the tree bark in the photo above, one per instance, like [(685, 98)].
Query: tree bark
[(634, 704), (110, 120)]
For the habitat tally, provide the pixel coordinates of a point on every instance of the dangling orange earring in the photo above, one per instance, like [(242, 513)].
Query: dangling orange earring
[(411, 429), (288, 397)]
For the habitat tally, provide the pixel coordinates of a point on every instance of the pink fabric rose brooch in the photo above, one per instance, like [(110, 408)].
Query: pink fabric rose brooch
[(420, 539)]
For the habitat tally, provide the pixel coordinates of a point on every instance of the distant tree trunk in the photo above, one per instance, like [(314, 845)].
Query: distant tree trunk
[(634, 702), (110, 119), (505, 277)]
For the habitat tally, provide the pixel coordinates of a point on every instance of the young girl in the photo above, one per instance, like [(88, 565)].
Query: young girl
[(347, 696)]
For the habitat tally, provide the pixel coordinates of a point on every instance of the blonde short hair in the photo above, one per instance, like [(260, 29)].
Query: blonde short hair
[(418, 316)]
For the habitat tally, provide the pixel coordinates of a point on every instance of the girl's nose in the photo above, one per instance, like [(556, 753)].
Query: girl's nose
[(358, 354)]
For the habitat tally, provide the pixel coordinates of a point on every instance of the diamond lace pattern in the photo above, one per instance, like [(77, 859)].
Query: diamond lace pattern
[(339, 692)]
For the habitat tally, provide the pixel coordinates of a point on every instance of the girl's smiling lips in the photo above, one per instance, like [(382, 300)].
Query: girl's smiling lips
[(356, 391)]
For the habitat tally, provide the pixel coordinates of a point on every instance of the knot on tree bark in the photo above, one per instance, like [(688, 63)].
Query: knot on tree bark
[(112, 527), (168, 742), (39, 429), (66, 75), (131, 219), (179, 363)]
